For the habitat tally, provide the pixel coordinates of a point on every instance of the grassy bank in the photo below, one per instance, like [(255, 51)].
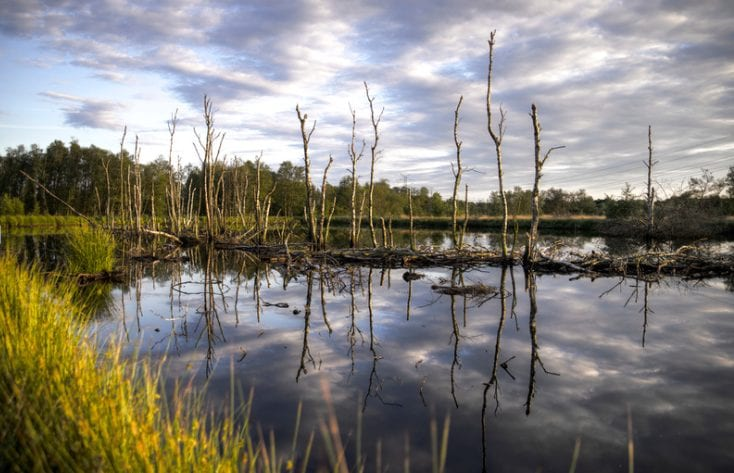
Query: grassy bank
[(68, 406)]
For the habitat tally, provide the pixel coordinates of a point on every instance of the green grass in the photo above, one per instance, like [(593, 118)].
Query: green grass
[(89, 251), (69, 406)]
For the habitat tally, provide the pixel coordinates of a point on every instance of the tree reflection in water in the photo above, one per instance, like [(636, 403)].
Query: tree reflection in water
[(372, 349), (534, 348), (305, 350)]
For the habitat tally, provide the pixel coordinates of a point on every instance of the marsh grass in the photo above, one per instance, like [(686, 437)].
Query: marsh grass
[(89, 251), (69, 405)]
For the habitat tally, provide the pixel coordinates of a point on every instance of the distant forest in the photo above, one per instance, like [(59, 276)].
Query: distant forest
[(95, 181)]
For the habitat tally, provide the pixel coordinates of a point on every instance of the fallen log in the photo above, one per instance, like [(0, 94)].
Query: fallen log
[(472, 290)]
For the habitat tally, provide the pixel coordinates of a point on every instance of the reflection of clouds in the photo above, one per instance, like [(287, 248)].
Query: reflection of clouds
[(678, 386)]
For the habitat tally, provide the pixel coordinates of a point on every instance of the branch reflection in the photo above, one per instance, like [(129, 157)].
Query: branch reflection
[(534, 348)]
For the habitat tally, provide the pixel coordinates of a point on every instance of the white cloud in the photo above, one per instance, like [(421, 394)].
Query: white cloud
[(600, 72), (87, 113)]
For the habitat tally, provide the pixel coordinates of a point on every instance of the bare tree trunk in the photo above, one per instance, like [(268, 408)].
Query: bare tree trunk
[(466, 216), (531, 250), (174, 192), (354, 157), (497, 138), (373, 155), (457, 177), (360, 214), (322, 214), (310, 207), (209, 157), (122, 176), (650, 189)]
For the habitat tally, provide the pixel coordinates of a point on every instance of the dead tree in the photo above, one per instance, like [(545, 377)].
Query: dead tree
[(310, 205), (650, 190), (208, 151), (354, 157), (530, 250), (174, 187), (497, 137), (373, 155), (457, 178)]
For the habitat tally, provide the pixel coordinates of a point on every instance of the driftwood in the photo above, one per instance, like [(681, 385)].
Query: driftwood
[(686, 262), (162, 234), (471, 290), (84, 279)]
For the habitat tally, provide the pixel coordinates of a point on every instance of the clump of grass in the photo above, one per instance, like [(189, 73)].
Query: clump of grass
[(66, 407), (89, 251)]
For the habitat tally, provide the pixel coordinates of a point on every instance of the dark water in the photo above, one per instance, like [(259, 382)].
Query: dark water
[(522, 375)]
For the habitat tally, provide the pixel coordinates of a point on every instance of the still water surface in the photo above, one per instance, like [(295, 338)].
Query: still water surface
[(523, 374)]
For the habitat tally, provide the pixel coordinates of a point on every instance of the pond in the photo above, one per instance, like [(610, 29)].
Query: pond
[(522, 373), (528, 371)]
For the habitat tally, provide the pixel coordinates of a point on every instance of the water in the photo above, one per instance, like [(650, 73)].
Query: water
[(573, 359)]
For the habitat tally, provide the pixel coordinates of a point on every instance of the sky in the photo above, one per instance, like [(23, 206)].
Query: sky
[(600, 73)]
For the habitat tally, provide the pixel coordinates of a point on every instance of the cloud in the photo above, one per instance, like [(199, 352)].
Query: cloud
[(599, 72), (87, 113)]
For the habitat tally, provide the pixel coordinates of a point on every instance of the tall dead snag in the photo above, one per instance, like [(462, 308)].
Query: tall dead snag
[(174, 186), (650, 190), (530, 250), (323, 225), (457, 177), (497, 137), (310, 205), (373, 156), (208, 151), (354, 157)]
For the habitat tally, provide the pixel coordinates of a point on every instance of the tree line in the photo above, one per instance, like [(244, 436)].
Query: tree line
[(77, 175)]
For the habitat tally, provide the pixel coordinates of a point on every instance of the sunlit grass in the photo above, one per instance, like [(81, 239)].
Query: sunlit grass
[(69, 407)]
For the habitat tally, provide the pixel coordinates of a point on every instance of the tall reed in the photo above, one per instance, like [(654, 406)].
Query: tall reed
[(70, 406)]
